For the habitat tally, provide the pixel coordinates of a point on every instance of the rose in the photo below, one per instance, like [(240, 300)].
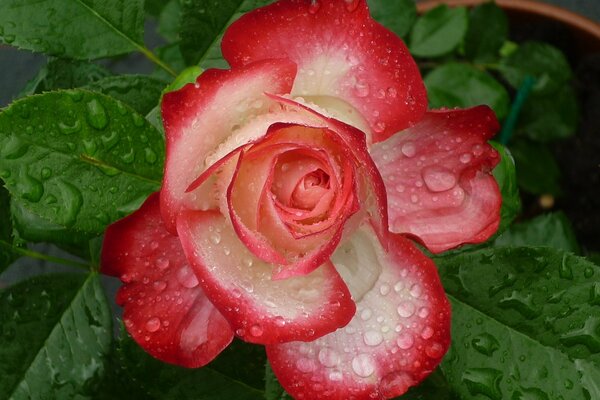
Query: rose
[(272, 222)]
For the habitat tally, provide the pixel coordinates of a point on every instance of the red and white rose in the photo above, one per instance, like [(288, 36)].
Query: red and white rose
[(272, 223)]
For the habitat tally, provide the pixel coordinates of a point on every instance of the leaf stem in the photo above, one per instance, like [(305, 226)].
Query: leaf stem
[(39, 256), (152, 57), (515, 110)]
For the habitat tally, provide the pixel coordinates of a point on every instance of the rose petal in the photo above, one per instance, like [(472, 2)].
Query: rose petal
[(438, 180), (332, 42), (165, 310), (398, 336), (198, 118), (259, 309)]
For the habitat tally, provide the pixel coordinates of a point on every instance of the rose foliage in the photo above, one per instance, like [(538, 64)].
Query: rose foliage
[(295, 184)]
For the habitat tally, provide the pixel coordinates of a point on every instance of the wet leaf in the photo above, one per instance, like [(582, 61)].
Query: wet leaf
[(169, 21), (537, 169), (79, 29), (552, 230), (56, 332), (398, 16), (506, 176), (165, 382), (461, 85), (525, 324), (6, 255), (79, 159), (273, 389), (550, 117), (61, 73), (545, 63), (439, 31), (140, 92), (488, 30), (202, 25)]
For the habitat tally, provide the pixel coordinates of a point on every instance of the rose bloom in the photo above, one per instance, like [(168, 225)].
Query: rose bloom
[(294, 185)]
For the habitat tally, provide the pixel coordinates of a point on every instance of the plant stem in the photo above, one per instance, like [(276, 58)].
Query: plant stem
[(515, 110), (152, 57), (39, 256)]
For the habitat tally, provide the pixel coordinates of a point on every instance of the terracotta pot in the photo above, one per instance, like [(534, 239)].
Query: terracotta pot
[(585, 33)]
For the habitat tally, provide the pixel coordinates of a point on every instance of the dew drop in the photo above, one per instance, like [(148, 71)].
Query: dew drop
[(405, 341), (406, 309), (427, 332), (162, 263), (438, 179), (372, 338), (384, 289), (329, 357), (485, 344), (138, 120), (279, 321), (305, 365), (31, 189), (336, 376), (46, 173), (96, 115), (187, 278), (465, 158), (409, 149), (150, 156), (363, 365), (484, 381), (153, 324), (314, 6), (69, 129), (215, 238), (361, 89), (159, 286), (256, 330), (366, 314)]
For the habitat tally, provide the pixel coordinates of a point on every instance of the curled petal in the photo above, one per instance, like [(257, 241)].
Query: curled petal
[(438, 178), (200, 117), (339, 68), (399, 334), (239, 284), (165, 310)]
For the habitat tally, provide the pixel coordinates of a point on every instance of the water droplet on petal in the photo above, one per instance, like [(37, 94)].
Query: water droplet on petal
[(361, 89), (314, 6), (187, 278), (153, 324), (256, 330), (465, 158), (329, 357), (363, 365), (409, 149), (159, 286), (438, 179), (372, 338), (366, 314), (162, 263), (405, 341), (406, 309)]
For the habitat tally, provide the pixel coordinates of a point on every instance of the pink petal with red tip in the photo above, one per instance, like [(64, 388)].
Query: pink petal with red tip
[(165, 310), (200, 117), (239, 284), (345, 59), (399, 334), (438, 178)]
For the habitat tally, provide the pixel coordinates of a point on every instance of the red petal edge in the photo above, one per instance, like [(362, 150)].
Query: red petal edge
[(201, 116), (331, 41), (438, 178), (165, 310), (260, 309), (398, 336)]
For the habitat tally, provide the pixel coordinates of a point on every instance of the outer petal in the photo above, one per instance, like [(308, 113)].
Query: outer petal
[(166, 311), (341, 52), (438, 180), (198, 118), (261, 310), (398, 336)]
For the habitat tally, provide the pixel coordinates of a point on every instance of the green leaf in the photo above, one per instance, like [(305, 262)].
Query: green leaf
[(398, 16), (461, 85), (202, 26), (170, 54), (544, 62), (488, 30), (6, 255), (140, 92), (434, 387), (552, 230), (242, 362), (537, 170), (169, 21), (154, 7), (165, 382), (64, 74), (273, 389), (56, 332), (439, 31), (525, 324), (33, 228), (551, 117), (79, 29), (506, 176), (79, 159)]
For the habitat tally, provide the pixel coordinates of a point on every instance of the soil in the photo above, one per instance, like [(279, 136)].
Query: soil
[(579, 156)]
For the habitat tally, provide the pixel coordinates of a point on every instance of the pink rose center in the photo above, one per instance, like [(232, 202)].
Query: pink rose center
[(311, 188)]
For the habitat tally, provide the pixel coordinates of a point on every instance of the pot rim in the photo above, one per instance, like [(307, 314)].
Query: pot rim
[(527, 6)]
